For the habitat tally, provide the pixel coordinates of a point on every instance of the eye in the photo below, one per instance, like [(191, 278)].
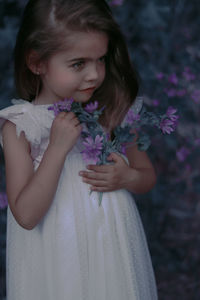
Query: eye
[(78, 65), (102, 59)]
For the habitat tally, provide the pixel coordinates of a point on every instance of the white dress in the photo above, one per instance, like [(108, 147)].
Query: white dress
[(78, 251)]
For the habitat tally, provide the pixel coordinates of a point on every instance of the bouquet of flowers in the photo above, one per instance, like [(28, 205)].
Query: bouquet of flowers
[(97, 144)]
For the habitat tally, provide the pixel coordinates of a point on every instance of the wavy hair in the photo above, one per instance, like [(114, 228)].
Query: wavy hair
[(44, 26)]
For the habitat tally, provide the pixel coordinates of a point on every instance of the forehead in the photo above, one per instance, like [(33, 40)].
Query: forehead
[(86, 44)]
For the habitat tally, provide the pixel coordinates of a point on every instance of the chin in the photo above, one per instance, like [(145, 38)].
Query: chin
[(82, 99)]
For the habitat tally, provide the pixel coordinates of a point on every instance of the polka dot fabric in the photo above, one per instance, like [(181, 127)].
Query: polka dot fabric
[(79, 251)]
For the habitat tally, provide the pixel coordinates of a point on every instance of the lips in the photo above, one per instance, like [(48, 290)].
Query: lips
[(88, 89)]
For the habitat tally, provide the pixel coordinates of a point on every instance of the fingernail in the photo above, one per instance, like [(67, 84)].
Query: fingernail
[(81, 173)]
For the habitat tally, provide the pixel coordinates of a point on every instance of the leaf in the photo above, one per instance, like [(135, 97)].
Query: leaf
[(100, 197), (143, 142), (123, 135)]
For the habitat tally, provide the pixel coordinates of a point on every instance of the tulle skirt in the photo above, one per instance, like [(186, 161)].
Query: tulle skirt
[(80, 251)]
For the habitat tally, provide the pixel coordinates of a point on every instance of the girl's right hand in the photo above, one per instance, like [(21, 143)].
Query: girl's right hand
[(65, 131)]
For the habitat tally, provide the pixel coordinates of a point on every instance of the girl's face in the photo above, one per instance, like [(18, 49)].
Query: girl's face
[(76, 72)]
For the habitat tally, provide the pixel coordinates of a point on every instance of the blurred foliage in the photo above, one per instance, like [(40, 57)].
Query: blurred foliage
[(164, 46)]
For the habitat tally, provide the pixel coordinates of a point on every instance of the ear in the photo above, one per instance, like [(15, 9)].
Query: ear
[(33, 62)]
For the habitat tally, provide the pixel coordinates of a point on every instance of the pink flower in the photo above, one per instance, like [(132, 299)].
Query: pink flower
[(91, 107)]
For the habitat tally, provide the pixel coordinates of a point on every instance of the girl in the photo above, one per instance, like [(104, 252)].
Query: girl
[(60, 243)]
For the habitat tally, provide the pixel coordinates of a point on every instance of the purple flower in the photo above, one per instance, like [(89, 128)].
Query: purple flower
[(167, 126), (123, 149), (92, 148), (181, 93), (170, 92), (156, 102), (91, 107), (61, 105), (116, 2), (55, 108), (3, 200), (107, 136), (159, 76), (188, 74), (131, 117), (197, 142), (66, 104), (171, 114), (173, 79), (196, 96), (182, 153)]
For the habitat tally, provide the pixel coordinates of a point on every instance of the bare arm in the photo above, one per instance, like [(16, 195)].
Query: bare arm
[(140, 176), (30, 193)]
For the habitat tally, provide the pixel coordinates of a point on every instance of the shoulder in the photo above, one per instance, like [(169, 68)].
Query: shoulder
[(15, 112), (31, 119), (135, 109), (137, 104)]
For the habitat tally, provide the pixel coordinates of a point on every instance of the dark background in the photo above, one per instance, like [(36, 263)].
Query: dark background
[(163, 39)]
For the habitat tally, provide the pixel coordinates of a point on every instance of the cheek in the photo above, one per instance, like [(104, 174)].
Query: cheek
[(60, 72), (65, 78), (102, 74)]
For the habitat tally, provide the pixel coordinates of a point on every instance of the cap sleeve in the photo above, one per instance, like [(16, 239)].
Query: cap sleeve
[(137, 105), (27, 118), (136, 108)]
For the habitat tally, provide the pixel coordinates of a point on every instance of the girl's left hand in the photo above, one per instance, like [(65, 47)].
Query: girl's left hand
[(106, 178)]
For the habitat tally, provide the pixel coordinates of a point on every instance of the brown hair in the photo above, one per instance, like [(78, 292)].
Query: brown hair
[(44, 25)]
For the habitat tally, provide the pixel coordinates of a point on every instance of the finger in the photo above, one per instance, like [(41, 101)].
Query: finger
[(93, 175), (100, 189), (71, 115), (75, 122), (62, 114), (117, 159), (93, 182), (114, 157), (99, 169), (79, 126)]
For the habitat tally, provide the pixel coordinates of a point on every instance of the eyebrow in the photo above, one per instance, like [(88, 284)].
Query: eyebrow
[(84, 58)]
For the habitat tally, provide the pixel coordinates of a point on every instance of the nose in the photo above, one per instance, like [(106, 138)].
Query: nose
[(92, 73)]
